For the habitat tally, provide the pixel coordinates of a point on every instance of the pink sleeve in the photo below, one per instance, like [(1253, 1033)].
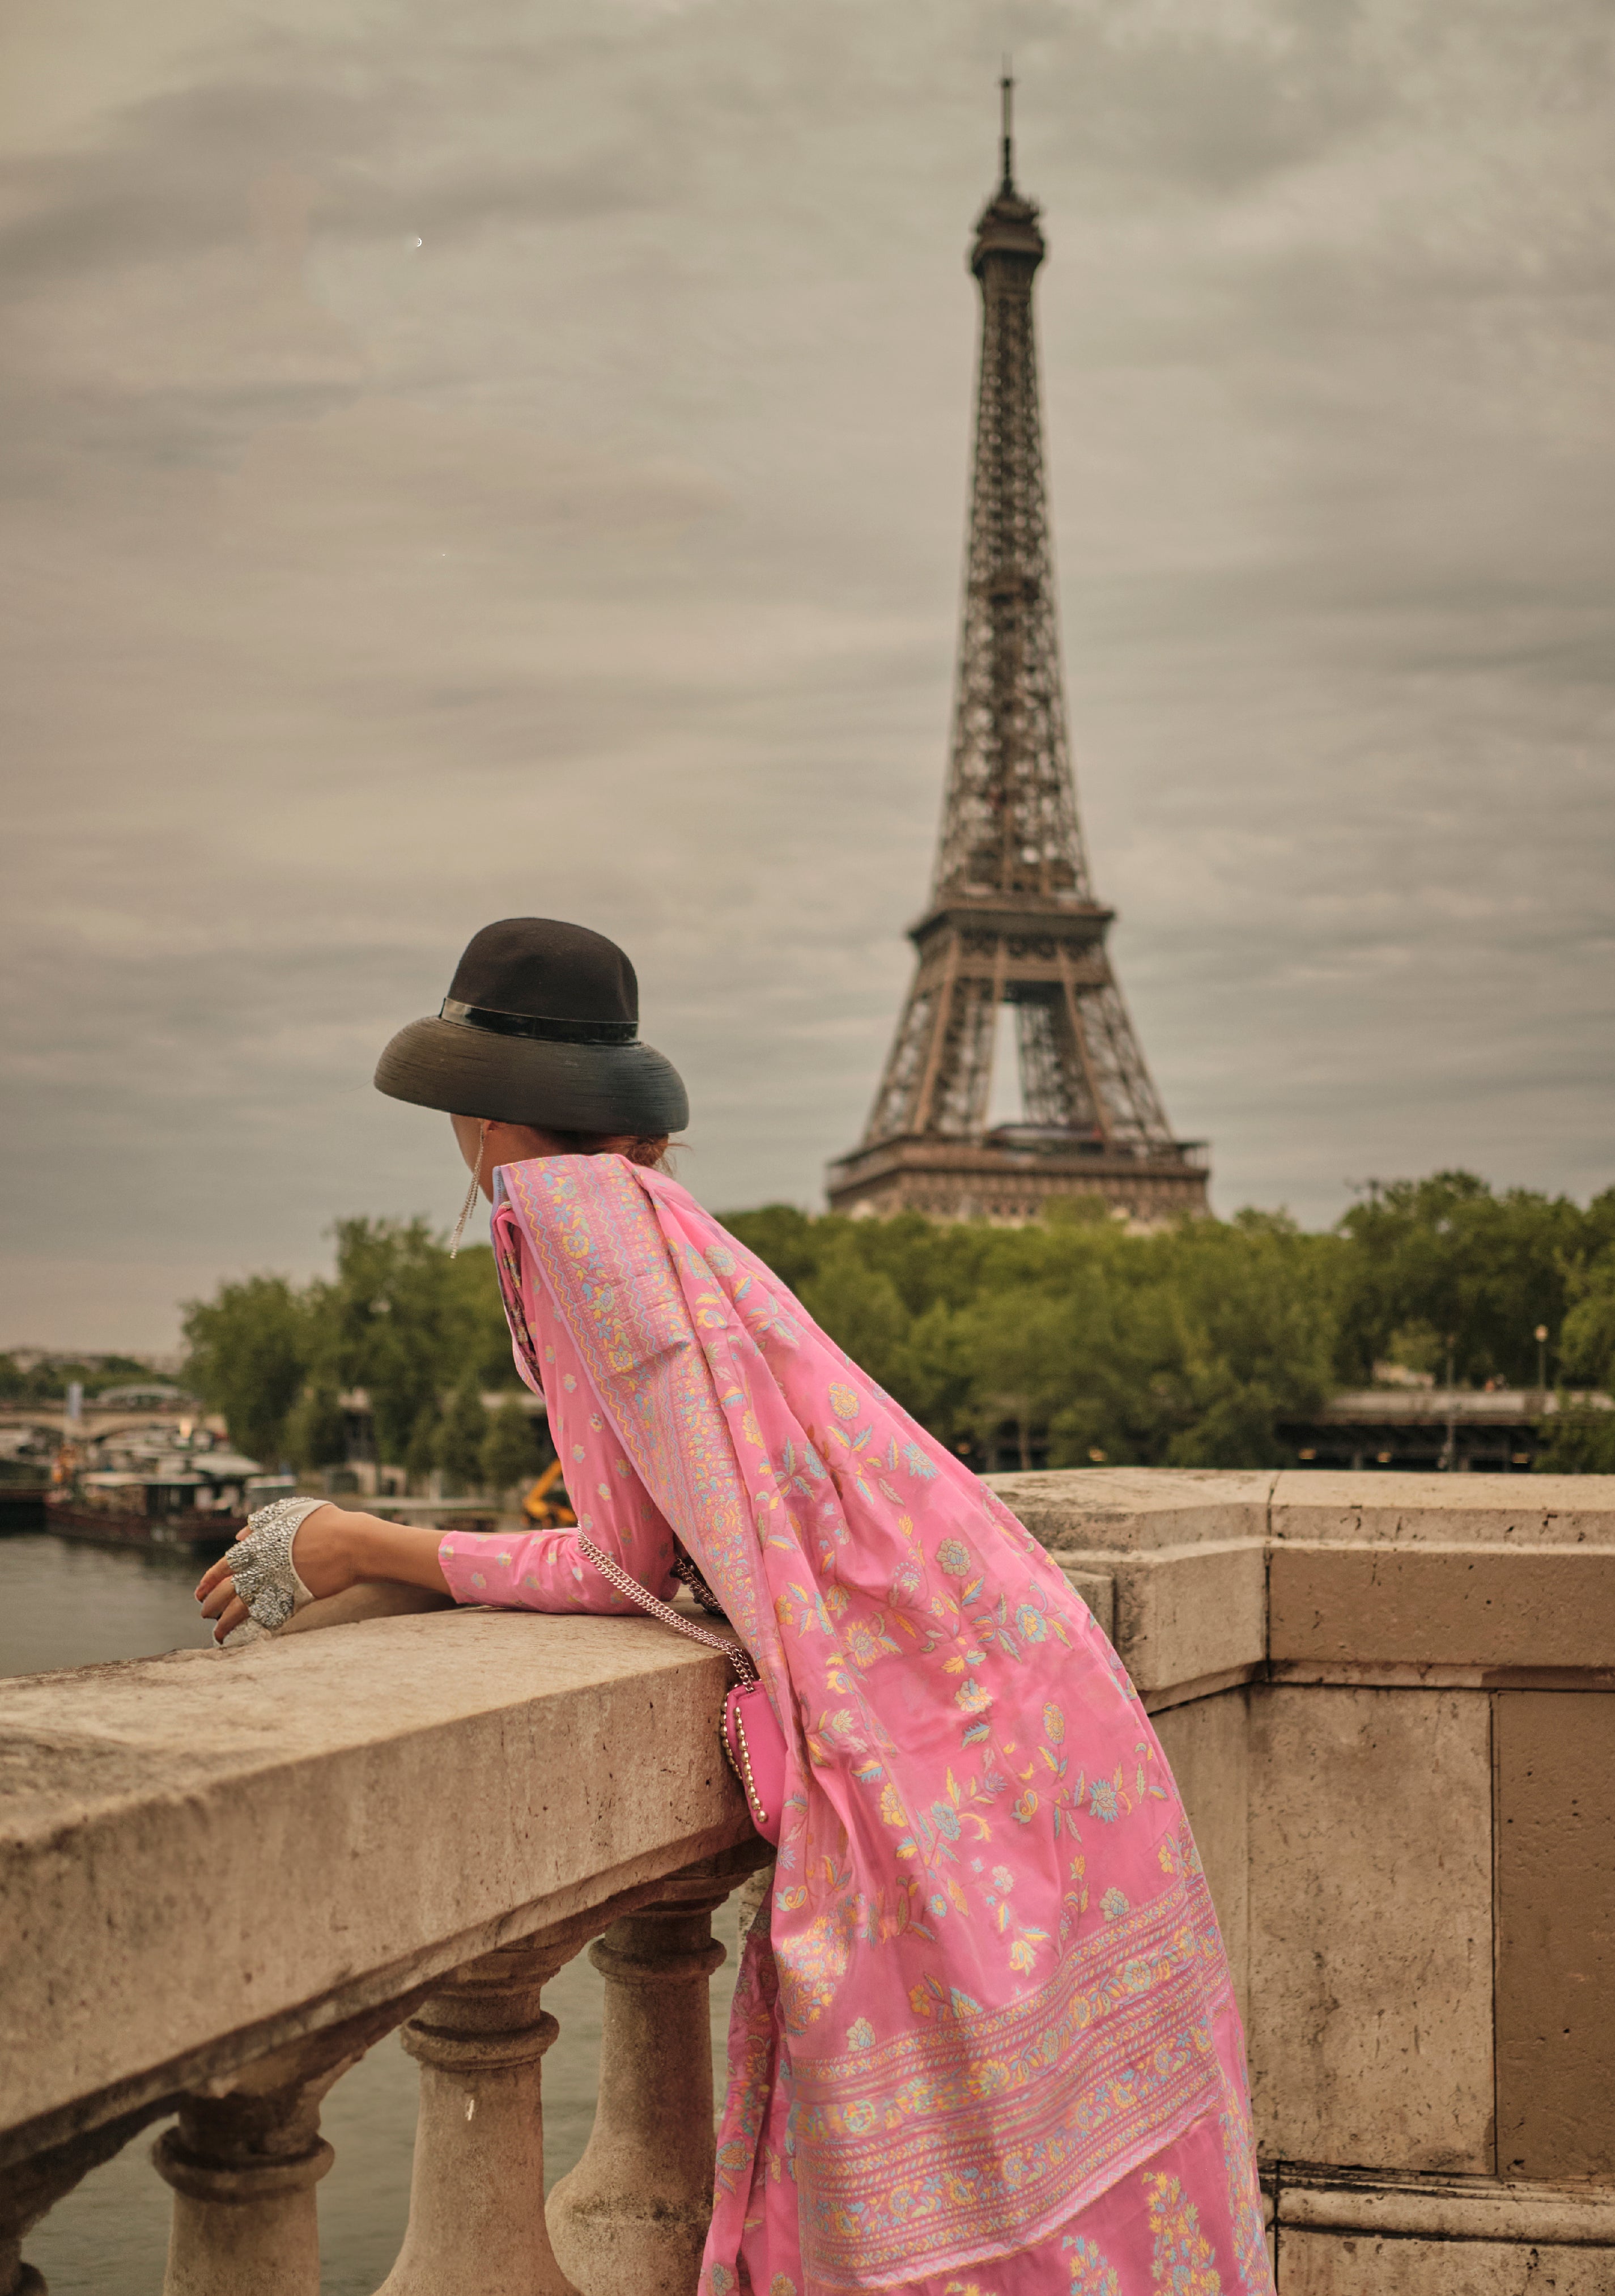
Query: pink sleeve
[(546, 1569)]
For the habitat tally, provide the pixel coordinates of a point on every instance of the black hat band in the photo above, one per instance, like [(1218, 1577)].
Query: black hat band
[(539, 1025)]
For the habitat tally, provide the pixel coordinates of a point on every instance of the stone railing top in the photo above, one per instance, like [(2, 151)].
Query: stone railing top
[(206, 1854), (1518, 1511), (1119, 1510)]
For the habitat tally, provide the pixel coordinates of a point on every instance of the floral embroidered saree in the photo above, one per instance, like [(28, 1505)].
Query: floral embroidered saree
[(985, 2043)]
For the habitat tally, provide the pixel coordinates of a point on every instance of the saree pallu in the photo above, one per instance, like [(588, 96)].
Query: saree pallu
[(985, 2043)]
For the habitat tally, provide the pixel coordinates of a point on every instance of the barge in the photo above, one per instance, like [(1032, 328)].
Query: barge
[(194, 1501)]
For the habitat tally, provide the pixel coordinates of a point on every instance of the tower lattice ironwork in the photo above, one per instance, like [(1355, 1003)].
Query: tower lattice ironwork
[(1012, 918)]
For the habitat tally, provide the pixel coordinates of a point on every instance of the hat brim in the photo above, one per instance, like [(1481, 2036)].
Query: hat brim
[(468, 1072)]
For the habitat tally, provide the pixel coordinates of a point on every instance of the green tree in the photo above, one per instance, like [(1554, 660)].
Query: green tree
[(475, 1313), (1577, 1439), (48, 1382), (1024, 1349), (1257, 1326), (1467, 1270), (1191, 1346), (860, 1308), (420, 1451), (316, 1429), (460, 1437), (1588, 1342), (106, 1371), (511, 1446), (938, 1381), (933, 1264), (406, 1323), (249, 1351), (791, 1242)]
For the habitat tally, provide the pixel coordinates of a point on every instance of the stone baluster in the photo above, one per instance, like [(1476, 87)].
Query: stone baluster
[(476, 2198), (29, 2188), (244, 2160), (22, 2279), (632, 2214)]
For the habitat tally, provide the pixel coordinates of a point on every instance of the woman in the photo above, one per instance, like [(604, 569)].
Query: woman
[(985, 2043)]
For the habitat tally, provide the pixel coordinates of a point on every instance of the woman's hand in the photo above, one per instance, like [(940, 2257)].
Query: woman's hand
[(334, 1549), (324, 1554)]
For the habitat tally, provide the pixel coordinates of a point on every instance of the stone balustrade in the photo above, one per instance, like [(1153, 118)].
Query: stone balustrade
[(1389, 1701), (223, 1877)]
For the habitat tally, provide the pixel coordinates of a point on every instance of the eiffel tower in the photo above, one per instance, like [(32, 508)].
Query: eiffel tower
[(1012, 918)]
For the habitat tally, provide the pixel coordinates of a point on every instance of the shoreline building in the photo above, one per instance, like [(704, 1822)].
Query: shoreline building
[(1013, 919)]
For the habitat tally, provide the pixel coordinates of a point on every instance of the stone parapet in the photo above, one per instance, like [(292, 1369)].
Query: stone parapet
[(429, 1787), (1389, 1702), (1412, 1578), (1338, 2234), (1116, 1511), (1507, 1511), (1488, 1612)]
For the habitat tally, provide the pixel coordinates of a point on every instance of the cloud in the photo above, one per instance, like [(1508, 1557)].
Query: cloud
[(459, 466)]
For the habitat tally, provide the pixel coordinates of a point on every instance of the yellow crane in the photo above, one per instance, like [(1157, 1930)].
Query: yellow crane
[(546, 1505)]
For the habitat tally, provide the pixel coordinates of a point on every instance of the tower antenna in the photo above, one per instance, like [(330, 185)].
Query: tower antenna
[(1006, 88)]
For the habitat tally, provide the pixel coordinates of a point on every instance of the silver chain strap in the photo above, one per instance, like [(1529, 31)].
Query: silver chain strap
[(686, 1568), (613, 1573)]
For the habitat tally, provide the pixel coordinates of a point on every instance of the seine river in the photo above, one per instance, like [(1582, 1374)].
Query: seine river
[(66, 1604)]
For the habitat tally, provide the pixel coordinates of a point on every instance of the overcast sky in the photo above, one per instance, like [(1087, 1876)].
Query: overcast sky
[(475, 461)]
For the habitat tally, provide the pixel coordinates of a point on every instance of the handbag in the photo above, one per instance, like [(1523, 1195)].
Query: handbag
[(749, 1732)]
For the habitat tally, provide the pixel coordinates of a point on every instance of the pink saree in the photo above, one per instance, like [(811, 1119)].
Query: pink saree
[(986, 2045)]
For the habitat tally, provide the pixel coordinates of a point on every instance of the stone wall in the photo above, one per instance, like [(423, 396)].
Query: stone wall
[(1389, 1701), (1391, 1704), (225, 1876)]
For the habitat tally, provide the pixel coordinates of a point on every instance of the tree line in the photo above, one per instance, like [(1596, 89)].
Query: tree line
[(421, 1333), (46, 1382), (1072, 1341), (1193, 1346)]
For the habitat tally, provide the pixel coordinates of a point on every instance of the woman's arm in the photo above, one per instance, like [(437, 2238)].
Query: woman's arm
[(522, 1569), (334, 1550)]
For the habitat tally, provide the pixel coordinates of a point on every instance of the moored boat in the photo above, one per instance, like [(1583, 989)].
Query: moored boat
[(192, 1500), (22, 1488), (136, 1511)]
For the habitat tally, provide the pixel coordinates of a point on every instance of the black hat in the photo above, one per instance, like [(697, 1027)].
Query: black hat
[(540, 1026)]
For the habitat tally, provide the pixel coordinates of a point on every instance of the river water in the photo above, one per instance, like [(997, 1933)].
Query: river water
[(62, 1604)]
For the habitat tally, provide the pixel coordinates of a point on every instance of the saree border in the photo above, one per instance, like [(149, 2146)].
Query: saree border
[(955, 2145)]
